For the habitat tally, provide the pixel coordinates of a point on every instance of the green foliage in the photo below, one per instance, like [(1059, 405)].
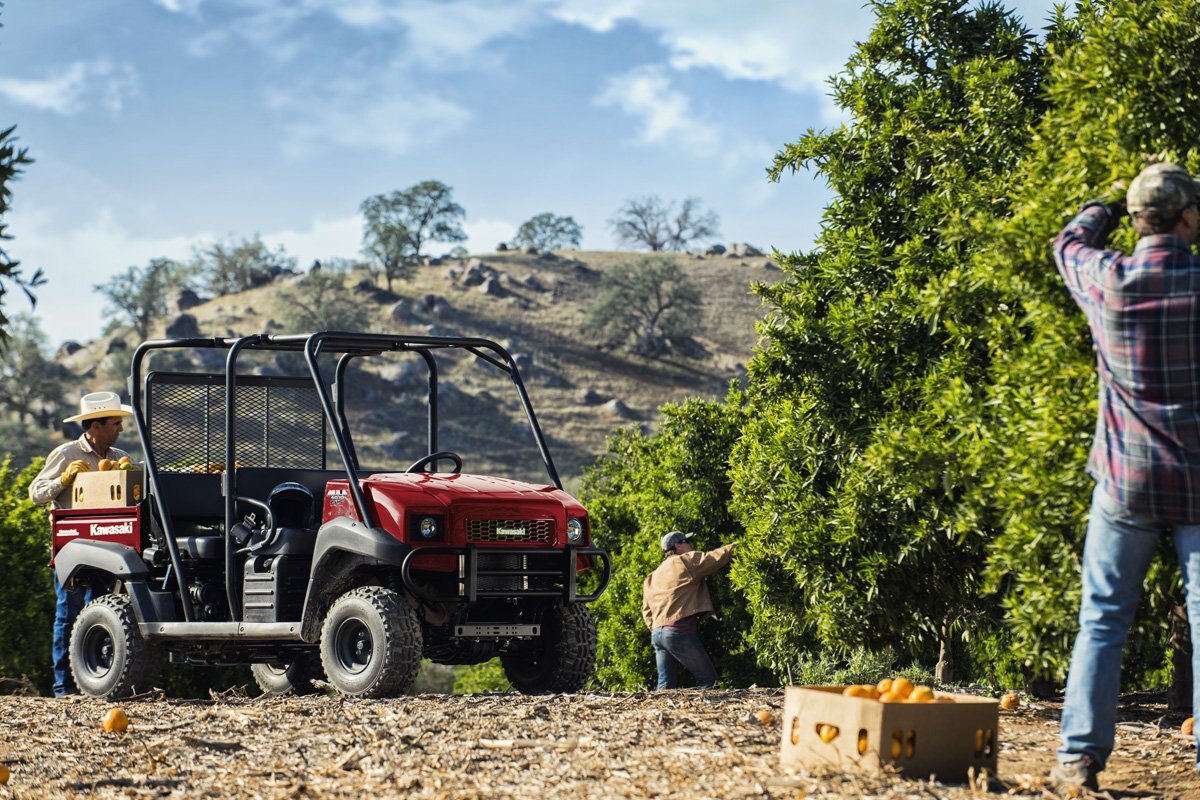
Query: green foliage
[(399, 224), (648, 307), (480, 678), (650, 223), (319, 302), (643, 488), (27, 591), (12, 159), (139, 295), (235, 266), (854, 491), (549, 232), (1121, 92), (859, 666)]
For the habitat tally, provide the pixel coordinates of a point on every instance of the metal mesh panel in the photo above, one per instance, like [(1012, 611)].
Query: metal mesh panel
[(279, 422), (510, 530)]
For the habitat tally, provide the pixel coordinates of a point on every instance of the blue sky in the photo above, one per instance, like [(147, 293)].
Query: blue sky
[(160, 125)]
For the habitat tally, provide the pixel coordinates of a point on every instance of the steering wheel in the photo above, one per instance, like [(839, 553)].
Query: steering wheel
[(433, 458)]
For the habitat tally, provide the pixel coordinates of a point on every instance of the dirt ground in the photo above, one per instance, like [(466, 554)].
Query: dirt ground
[(661, 745)]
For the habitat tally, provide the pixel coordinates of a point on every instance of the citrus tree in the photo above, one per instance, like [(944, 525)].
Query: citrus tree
[(849, 473), (27, 591)]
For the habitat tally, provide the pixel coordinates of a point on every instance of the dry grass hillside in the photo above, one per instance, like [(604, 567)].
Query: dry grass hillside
[(534, 306)]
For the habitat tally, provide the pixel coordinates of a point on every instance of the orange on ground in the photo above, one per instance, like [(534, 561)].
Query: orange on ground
[(1188, 726), (1010, 700), (765, 717), (4, 774), (116, 721)]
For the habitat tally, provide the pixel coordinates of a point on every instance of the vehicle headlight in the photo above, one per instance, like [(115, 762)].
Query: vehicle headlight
[(574, 530), (428, 528)]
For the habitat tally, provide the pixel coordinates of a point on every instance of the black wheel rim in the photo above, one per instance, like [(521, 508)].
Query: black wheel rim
[(97, 655), (353, 646)]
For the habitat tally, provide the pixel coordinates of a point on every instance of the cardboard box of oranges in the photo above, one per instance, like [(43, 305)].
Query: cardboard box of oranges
[(111, 488), (916, 730)]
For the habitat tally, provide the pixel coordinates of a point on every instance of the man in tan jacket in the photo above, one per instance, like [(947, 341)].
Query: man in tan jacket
[(674, 599)]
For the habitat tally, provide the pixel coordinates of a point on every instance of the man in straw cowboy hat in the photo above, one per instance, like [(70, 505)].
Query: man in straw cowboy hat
[(101, 415), (1143, 310)]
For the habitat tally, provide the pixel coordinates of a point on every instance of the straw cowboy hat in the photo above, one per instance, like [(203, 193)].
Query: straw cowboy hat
[(100, 404)]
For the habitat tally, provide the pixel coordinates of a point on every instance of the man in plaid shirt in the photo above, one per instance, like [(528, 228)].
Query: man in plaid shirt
[(1144, 314)]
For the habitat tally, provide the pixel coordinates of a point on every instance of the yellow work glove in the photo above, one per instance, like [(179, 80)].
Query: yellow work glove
[(73, 469)]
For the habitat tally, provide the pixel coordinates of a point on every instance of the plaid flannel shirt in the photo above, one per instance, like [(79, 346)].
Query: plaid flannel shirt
[(1144, 314)]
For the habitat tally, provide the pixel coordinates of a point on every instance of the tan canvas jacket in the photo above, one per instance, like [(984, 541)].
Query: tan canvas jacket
[(677, 588), (47, 487)]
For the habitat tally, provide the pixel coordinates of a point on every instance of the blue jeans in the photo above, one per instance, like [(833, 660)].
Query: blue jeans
[(70, 603), (1116, 557), (671, 649)]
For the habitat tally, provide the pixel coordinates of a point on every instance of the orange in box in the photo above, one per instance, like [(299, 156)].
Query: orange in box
[(110, 489), (821, 728)]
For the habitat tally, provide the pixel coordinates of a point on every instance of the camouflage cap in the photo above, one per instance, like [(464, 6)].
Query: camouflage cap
[(1164, 190), (673, 538)]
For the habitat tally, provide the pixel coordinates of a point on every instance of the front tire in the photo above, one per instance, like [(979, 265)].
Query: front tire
[(371, 643), (561, 659), (290, 678), (109, 657)]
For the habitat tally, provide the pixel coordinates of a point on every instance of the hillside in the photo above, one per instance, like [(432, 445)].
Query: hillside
[(533, 305)]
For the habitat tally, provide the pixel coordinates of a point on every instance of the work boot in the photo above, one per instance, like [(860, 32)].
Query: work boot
[(1072, 777)]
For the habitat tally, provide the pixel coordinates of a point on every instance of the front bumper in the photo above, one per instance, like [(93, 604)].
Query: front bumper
[(511, 572)]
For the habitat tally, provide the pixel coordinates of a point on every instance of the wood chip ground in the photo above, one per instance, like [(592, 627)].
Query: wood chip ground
[(643, 745)]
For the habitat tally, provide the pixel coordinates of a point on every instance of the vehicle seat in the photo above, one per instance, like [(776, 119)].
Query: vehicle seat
[(291, 505), (201, 547)]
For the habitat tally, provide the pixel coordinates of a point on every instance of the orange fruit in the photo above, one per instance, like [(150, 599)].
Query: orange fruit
[(891, 697), (1010, 700), (124, 460), (858, 691), (106, 464), (765, 717), (903, 687), (115, 721), (827, 732), (4, 774), (921, 694), (1188, 726), (884, 686)]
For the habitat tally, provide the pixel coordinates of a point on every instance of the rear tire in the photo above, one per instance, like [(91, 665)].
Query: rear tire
[(109, 657), (290, 678), (561, 659), (371, 643)]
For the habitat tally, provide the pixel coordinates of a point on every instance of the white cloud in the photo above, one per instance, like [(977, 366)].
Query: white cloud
[(365, 117), (483, 235), (665, 114), (796, 44), (189, 7), (322, 240), (69, 90)]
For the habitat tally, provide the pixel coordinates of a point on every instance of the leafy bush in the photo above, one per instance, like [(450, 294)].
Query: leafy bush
[(647, 307), (27, 591), (645, 487)]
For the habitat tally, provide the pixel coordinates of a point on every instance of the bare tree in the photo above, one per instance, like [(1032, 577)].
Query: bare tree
[(648, 222)]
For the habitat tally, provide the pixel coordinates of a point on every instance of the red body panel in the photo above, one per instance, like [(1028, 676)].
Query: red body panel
[(399, 497), (117, 525)]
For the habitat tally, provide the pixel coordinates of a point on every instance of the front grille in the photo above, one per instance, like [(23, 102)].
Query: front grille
[(540, 531)]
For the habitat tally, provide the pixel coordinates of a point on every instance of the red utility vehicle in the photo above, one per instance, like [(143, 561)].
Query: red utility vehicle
[(311, 572)]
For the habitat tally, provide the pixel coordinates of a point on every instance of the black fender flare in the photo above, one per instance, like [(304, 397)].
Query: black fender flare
[(118, 560), (121, 562), (343, 545)]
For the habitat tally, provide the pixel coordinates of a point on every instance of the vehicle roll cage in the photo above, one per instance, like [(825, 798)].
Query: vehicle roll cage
[(347, 346)]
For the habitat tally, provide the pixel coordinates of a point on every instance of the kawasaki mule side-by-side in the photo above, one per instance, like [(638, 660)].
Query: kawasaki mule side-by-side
[(246, 546)]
